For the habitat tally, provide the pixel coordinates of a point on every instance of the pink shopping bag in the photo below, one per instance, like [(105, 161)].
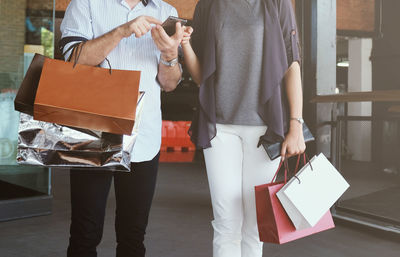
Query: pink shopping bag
[(274, 225)]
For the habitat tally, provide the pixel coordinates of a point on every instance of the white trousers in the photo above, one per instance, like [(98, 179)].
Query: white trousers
[(234, 166)]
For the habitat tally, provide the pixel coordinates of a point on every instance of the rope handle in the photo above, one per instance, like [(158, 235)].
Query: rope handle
[(305, 156), (286, 165), (286, 169), (79, 46), (305, 161)]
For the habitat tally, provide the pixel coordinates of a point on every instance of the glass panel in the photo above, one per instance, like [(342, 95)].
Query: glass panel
[(367, 144), (27, 28), (374, 180)]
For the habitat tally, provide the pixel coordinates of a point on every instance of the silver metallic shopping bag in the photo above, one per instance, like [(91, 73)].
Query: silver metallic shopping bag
[(8, 128), (52, 145)]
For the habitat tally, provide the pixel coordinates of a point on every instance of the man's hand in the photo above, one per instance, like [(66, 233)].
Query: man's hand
[(294, 141), (138, 26), (168, 76), (168, 46)]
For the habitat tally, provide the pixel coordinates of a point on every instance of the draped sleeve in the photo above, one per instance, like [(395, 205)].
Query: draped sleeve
[(203, 128), (280, 49), (287, 20), (197, 37)]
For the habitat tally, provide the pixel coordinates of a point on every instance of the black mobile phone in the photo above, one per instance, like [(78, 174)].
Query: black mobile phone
[(169, 24)]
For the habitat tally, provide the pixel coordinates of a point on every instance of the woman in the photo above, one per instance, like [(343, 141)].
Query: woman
[(244, 54)]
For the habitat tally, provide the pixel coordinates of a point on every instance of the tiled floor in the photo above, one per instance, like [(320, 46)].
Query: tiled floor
[(179, 226)]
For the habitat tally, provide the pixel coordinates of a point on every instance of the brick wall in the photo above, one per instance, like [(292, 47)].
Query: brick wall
[(61, 5), (40, 4), (358, 15), (185, 7), (12, 39)]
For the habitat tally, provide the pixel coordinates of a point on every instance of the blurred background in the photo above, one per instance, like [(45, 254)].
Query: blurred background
[(350, 67)]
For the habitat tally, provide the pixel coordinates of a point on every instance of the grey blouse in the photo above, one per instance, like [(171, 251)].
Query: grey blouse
[(239, 46), (280, 48)]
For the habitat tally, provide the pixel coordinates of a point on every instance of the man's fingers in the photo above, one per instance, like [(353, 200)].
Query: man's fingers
[(157, 38), (163, 35), (178, 31), (163, 38), (155, 35), (142, 29), (139, 29), (152, 20), (147, 26)]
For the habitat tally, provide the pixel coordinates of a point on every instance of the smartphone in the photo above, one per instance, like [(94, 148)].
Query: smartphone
[(169, 24)]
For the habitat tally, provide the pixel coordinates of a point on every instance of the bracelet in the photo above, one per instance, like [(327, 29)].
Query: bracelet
[(300, 120), (171, 63)]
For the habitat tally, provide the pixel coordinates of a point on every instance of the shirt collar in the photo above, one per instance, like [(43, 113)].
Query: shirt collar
[(155, 2)]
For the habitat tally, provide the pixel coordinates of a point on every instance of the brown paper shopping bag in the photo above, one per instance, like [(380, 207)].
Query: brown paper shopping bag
[(87, 97), (27, 91)]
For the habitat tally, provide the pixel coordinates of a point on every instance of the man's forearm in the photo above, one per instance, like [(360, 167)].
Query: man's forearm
[(96, 50), (169, 76)]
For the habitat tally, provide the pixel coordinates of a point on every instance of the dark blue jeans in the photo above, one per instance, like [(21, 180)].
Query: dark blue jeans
[(133, 192)]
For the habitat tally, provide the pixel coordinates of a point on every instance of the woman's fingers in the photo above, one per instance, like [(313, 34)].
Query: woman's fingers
[(289, 150), (283, 150), (187, 30)]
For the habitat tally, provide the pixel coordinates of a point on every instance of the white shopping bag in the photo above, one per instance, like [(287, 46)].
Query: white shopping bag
[(309, 195)]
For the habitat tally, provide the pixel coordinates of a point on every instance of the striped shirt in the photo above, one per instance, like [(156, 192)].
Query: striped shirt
[(93, 18)]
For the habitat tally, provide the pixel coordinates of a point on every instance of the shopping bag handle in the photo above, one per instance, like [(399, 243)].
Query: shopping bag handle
[(72, 47), (305, 160), (79, 46), (305, 157), (286, 165)]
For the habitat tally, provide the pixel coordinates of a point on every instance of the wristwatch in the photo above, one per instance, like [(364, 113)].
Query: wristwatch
[(300, 120), (171, 63)]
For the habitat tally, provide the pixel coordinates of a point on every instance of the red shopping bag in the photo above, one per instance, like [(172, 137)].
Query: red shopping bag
[(274, 225)]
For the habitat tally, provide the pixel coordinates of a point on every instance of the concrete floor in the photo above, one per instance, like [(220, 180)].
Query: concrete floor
[(179, 226)]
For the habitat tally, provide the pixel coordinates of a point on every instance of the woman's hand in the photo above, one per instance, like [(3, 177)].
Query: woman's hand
[(294, 141), (187, 32)]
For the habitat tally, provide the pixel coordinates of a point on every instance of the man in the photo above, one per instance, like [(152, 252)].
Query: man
[(129, 35)]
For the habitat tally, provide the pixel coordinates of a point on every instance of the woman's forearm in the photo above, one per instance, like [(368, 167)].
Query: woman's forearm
[(192, 63), (294, 93)]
